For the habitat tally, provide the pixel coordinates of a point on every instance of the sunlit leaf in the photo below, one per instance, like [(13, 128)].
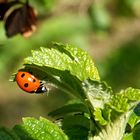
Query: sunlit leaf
[(41, 129), (65, 57)]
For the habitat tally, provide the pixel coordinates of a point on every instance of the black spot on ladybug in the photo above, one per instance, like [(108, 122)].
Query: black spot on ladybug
[(26, 85), (34, 80), (22, 75)]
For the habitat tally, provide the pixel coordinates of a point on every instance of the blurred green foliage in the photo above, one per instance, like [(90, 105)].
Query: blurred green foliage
[(122, 68), (67, 26), (83, 23)]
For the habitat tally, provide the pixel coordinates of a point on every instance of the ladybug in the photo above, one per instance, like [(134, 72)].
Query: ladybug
[(29, 83)]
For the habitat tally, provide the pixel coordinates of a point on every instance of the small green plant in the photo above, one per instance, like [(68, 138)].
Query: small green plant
[(95, 112)]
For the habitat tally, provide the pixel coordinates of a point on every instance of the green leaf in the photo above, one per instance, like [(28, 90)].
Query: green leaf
[(57, 79), (109, 109), (125, 99), (128, 136), (6, 134), (98, 95), (97, 92), (137, 109), (113, 130), (42, 129), (62, 66), (69, 108), (132, 94), (65, 57), (121, 107), (133, 120), (136, 132), (98, 116), (119, 103), (106, 113), (76, 127)]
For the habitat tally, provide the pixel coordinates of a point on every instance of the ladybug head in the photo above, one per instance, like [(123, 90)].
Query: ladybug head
[(41, 88)]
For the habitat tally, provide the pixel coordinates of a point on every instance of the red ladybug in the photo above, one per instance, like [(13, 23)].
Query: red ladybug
[(29, 83)]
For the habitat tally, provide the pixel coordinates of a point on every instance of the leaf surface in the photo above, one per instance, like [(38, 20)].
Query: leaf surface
[(41, 129)]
